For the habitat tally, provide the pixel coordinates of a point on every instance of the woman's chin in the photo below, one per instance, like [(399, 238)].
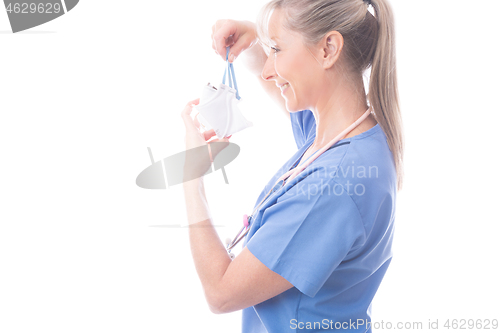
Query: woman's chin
[(291, 107)]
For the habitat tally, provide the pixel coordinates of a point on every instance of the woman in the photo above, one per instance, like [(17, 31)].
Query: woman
[(319, 245)]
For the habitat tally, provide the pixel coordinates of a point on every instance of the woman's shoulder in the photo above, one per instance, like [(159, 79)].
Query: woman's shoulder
[(362, 161)]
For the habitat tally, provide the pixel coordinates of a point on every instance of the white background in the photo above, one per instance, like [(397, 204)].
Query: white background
[(83, 249)]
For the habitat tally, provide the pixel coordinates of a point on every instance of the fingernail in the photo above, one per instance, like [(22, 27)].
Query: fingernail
[(231, 57)]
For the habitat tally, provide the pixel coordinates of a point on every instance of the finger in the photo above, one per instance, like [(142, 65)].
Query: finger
[(188, 123), (208, 134), (214, 47), (215, 28), (189, 106), (186, 115), (227, 29), (196, 121), (215, 139), (224, 54), (242, 44)]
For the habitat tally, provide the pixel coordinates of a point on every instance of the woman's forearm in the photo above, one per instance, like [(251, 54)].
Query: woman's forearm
[(209, 254), (254, 59)]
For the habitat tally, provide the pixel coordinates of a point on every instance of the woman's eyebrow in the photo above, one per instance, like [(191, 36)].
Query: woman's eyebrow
[(272, 39)]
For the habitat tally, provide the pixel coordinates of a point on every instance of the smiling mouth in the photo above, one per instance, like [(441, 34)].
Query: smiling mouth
[(283, 87)]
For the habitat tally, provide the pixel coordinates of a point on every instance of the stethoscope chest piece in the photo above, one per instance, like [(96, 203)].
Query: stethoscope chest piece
[(232, 243)]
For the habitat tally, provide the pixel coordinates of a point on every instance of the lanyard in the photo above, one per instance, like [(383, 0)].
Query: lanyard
[(288, 176)]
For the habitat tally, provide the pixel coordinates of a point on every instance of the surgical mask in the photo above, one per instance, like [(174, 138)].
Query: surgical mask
[(218, 107)]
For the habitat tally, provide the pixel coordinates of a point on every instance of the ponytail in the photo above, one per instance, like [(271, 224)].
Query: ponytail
[(383, 89)]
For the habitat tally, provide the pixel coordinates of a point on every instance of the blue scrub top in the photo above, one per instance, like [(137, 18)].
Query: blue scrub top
[(328, 232)]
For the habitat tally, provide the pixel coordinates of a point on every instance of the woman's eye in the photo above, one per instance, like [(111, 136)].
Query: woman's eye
[(276, 50)]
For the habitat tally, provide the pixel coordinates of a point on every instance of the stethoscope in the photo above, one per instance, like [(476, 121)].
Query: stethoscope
[(288, 176)]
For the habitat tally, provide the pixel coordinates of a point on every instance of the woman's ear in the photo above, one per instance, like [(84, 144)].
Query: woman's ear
[(332, 46)]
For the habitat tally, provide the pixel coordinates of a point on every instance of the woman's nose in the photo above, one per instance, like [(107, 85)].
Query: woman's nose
[(268, 71)]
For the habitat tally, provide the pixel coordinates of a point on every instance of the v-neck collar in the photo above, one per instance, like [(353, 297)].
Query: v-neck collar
[(300, 157), (344, 141), (298, 160)]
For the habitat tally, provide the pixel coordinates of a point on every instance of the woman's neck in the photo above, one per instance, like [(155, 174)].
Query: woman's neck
[(336, 111), (328, 126)]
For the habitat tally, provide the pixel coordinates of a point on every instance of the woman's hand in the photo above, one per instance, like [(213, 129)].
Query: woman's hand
[(240, 35), (196, 161)]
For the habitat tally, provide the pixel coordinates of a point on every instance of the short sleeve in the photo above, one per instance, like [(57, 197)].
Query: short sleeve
[(303, 126), (307, 233)]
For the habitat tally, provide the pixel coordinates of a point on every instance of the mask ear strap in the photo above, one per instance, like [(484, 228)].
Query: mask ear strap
[(230, 71), (227, 69), (228, 115), (234, 80)]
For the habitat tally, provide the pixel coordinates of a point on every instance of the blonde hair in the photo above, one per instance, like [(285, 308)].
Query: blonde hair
[(368, 41)]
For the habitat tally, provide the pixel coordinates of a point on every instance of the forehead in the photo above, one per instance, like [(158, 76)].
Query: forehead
[(275, 25)]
